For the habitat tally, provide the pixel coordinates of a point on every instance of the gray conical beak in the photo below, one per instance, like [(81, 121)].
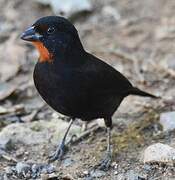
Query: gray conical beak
[(30, 35)]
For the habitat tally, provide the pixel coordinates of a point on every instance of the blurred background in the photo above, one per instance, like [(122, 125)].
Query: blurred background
[(138, 39)]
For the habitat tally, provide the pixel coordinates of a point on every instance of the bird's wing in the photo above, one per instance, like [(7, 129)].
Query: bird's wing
[(102, 78)]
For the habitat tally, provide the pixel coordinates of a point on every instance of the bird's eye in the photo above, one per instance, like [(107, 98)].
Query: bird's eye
[(51, 30)]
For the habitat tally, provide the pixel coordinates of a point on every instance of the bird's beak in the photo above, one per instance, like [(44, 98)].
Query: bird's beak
[(30, 35)]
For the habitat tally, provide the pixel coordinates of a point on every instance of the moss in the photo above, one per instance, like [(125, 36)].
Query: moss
[(136, 134)]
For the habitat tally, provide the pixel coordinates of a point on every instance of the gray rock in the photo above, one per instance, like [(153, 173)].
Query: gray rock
[(130, 175), (22, 168), (68, 8), (6, 89), (167, 120), (97, 173), (5, 144), (67, 162), (8, 170), (147, 167), (38, 169), (159, 153), (37, 132), (29, 170)]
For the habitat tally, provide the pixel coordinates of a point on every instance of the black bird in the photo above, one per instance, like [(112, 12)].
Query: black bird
[(74, 82)]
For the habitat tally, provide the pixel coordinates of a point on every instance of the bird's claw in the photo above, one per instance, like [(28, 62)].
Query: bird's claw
[(105, 163), (58, 154)]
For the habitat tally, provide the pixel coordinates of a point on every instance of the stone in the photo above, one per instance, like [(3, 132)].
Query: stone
[(68, 162), (68, 8), (97, 173), (38, 132), (167, 120), (8, 170), (6, 89), (159, 153), (38, 169), (101, 122), (31, 170), (22, 167)]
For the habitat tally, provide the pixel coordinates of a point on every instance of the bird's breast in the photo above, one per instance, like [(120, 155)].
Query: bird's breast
[(59, 88)]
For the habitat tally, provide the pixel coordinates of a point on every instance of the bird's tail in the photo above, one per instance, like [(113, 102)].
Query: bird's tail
[(136, 91)]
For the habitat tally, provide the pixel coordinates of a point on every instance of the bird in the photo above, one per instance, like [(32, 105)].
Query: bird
[(74, 82)]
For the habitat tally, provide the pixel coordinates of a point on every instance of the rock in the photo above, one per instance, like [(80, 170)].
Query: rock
[(167, 120), (38, 169), (3, 110), (68, 8), (101, 122), (147, 167), (38, 132), (97, 173), (130, 175), (6, 144), (111, 13), (29, 170), (8, 170), (67, 162), (22, 168), (159, 153), (6, 89)]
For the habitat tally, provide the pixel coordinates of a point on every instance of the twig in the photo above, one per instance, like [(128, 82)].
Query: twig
[(76, 139), (9, 158)]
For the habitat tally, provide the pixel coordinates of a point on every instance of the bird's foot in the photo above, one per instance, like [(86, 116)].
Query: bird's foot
[(59, 153), (105, 163)]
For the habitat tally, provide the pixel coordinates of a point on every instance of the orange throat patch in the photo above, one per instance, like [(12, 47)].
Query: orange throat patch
[(45, 55)]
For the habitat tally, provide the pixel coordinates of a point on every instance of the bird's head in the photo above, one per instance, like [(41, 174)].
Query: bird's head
[(52, 36)]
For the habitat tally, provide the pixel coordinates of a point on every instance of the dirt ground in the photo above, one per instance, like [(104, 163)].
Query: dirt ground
[(139, 42)]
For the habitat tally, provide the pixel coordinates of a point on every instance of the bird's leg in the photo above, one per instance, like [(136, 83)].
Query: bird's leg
[(61, 148), (106, 161)]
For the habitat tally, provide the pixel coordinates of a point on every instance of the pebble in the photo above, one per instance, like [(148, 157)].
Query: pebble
[(97, 173), (159, 153), (68, 8), (147, 167), (68, 162), (8, 170), (38, 169), (29, 170), (85, 172), (22, 168), (167, 120)]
